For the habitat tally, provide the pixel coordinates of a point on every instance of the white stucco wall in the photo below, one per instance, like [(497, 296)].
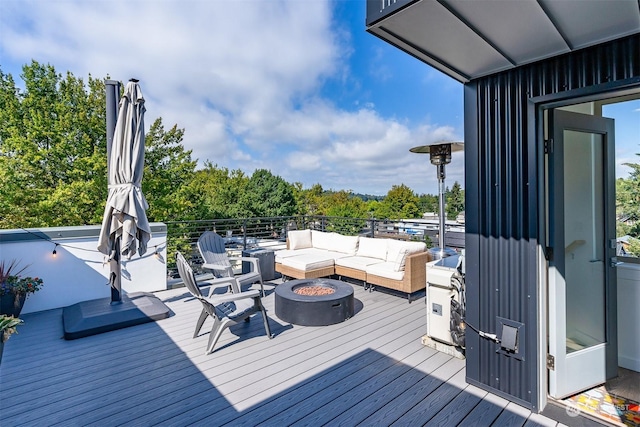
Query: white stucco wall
[(629, 316), (78, 271)]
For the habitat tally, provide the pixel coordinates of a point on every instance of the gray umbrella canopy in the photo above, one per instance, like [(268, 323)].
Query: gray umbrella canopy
[(125, 225), (125, 228)]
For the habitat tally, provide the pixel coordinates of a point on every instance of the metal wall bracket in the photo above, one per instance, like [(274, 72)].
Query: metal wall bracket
[(551, 362)]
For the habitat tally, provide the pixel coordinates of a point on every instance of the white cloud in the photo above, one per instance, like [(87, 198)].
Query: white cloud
[(242, 78), (624, 157), (361, 150)]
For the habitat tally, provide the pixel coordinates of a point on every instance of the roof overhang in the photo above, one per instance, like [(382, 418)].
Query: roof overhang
[(467, 39)]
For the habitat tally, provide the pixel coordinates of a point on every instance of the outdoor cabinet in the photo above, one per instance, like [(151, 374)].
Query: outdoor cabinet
[(266, 259)]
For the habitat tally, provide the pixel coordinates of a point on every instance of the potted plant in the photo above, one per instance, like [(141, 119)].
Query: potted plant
[(14, 287), (7, 327)]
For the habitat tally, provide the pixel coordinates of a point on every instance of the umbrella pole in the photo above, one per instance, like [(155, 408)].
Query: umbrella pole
[(112, 89), (115, 279)]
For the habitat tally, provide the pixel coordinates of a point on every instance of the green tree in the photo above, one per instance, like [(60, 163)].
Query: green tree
[(626, 208), (428, 203), (309, 201), (400, 202), (628, 203), (217, 191), (267, 195), (298, 195), (168, 168), (454, 201), (345, 204), (634, 247), (52, 149), (372, 207), (53, 160)]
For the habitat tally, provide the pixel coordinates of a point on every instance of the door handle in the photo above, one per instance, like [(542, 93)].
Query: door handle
[(613, 262)]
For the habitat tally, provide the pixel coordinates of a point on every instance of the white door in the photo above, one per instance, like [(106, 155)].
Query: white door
[(582, 279)]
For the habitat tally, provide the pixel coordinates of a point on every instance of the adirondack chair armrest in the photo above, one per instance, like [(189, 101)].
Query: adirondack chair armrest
[(254, 261), (243, 258), (217, 267), (235, 297), (218, 282)]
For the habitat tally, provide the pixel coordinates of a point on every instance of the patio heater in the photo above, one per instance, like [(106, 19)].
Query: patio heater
[(440, 156)]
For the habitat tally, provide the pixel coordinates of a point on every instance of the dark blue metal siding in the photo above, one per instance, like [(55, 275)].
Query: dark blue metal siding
[(501, 163)]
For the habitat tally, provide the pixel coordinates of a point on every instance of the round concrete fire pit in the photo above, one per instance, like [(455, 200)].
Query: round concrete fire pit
[(314, 302)]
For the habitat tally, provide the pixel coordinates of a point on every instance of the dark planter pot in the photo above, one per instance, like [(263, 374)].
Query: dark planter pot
[(10, 305)]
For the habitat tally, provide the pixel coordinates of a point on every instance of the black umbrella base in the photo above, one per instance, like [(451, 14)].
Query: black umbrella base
[(97, 316)]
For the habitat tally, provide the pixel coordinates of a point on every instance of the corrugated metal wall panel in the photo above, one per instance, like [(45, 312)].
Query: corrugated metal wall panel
[(502, 189)]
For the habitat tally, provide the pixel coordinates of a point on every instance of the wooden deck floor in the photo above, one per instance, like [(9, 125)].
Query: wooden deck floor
[(371, 370)]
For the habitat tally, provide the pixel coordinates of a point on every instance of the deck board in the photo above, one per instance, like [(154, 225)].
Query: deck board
[(370, 370), (486, 411), (413, 395)]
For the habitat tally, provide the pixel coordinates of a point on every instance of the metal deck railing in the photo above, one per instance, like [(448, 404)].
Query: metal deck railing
[(247, 233)]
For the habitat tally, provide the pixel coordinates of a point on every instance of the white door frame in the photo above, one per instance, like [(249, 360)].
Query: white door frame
[(582, 277), (538, 108)]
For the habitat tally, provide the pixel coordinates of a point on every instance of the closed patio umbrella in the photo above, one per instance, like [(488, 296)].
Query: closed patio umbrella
[(125, 228)]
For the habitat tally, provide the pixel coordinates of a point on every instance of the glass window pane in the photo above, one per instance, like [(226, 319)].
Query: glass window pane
[(584, 239)]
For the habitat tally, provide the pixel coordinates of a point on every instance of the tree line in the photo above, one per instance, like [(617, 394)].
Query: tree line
[(628, 208), (53, 167)]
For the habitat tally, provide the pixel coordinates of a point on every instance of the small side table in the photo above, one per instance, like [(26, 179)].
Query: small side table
[(266, 259)]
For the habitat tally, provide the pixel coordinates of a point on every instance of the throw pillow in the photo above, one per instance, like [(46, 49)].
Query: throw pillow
[(372, 248), (299, 239), (321, 240)]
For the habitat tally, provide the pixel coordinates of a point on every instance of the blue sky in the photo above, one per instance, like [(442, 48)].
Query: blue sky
[(297, 87)]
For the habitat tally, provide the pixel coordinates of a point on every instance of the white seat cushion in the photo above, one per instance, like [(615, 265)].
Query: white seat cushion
[(357, 262), (385, 269), (308, 262), (286, 253)]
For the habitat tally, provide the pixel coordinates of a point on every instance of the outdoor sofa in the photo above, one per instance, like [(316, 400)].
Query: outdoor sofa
[(384, 262)]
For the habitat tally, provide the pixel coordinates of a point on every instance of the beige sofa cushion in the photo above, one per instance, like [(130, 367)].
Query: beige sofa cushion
[(299, 239), (357, 262), (372, 248), (286, 253), (343, 244), (321, 240), (385, 269), (397, 252), (308, 262)]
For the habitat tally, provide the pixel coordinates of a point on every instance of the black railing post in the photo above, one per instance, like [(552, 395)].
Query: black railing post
[(244, 233)]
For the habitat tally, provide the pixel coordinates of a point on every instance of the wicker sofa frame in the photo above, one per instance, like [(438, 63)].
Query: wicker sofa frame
[(413, 280)]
